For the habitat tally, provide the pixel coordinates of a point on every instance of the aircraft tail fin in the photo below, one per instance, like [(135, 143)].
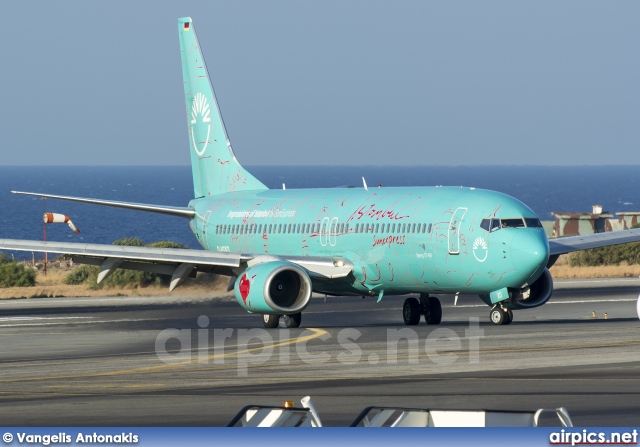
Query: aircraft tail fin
[(214, 165)]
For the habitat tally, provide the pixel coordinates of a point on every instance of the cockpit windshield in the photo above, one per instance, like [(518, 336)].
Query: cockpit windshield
[(516, 222)]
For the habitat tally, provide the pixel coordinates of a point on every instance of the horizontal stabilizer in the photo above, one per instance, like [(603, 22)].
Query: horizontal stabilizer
[(169, 210)]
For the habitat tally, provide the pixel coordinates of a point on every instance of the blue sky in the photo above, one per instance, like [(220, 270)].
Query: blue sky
[(328, 83)]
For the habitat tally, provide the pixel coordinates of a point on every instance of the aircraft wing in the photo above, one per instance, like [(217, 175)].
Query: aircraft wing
[(169, 210), (176, 262), (564, 245)]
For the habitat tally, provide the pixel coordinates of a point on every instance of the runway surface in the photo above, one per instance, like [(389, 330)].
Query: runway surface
[(131, 361)]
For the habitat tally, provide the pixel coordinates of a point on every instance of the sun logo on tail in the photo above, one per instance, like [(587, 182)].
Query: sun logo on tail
[(480, 249), (200, 108)]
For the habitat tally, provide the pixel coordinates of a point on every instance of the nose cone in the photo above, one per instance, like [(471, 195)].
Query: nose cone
[(529, 253)]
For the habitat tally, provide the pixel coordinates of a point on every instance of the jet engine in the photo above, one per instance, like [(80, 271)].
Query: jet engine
[(274, 287), (535, 295)]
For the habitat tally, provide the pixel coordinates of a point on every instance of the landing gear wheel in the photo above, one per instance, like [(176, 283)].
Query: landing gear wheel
[(271, 321), (411, 311), (508, 317), (498, 316), (434, 311), (292, 321)]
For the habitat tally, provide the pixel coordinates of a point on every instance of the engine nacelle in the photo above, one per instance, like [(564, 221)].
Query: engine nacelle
[(533, 296), (275, 288)]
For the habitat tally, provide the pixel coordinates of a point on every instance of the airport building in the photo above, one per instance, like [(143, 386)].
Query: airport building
[(581, 223)]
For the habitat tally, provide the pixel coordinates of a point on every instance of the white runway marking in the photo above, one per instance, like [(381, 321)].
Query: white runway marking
[(614, 300), (40, 318), (469, 306), (81, 322)]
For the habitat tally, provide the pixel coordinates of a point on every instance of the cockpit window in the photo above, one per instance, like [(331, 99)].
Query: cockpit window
[(496, 224), (533, 223), (512, 223)]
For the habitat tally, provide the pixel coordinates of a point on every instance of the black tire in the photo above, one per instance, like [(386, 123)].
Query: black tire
[(411, 311), (497, 316), (292, 321), (508, 317), (271, 321), (434, 316)]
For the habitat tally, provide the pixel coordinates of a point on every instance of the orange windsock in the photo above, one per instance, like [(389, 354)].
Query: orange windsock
[(60, 218)]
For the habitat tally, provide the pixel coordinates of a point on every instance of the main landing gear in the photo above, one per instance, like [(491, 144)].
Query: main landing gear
[(290, 321), (429, 306), (500, 315)]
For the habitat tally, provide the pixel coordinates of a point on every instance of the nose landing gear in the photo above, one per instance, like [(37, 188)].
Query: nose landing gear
[(500, 315)]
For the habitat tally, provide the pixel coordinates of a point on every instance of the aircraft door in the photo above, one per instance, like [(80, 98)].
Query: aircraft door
[(205, 229), (455, 225), (333, 231), (324, 232)]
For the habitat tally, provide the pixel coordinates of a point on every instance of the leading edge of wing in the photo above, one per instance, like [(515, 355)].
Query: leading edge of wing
[(139, 258), (564, 245), (144, 254), (169, 210)]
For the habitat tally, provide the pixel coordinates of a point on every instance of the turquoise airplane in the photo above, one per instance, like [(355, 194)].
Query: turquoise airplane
[(279, 246)]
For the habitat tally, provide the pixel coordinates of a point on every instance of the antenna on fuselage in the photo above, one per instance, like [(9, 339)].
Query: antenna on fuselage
[(364, 182)]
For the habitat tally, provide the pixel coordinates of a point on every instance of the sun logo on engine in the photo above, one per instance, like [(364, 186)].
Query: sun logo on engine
[(480, 249), (200, 108), (245, 286)]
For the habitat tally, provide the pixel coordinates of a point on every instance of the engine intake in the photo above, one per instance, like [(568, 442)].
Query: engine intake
[(533, 296), (275, 287)]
